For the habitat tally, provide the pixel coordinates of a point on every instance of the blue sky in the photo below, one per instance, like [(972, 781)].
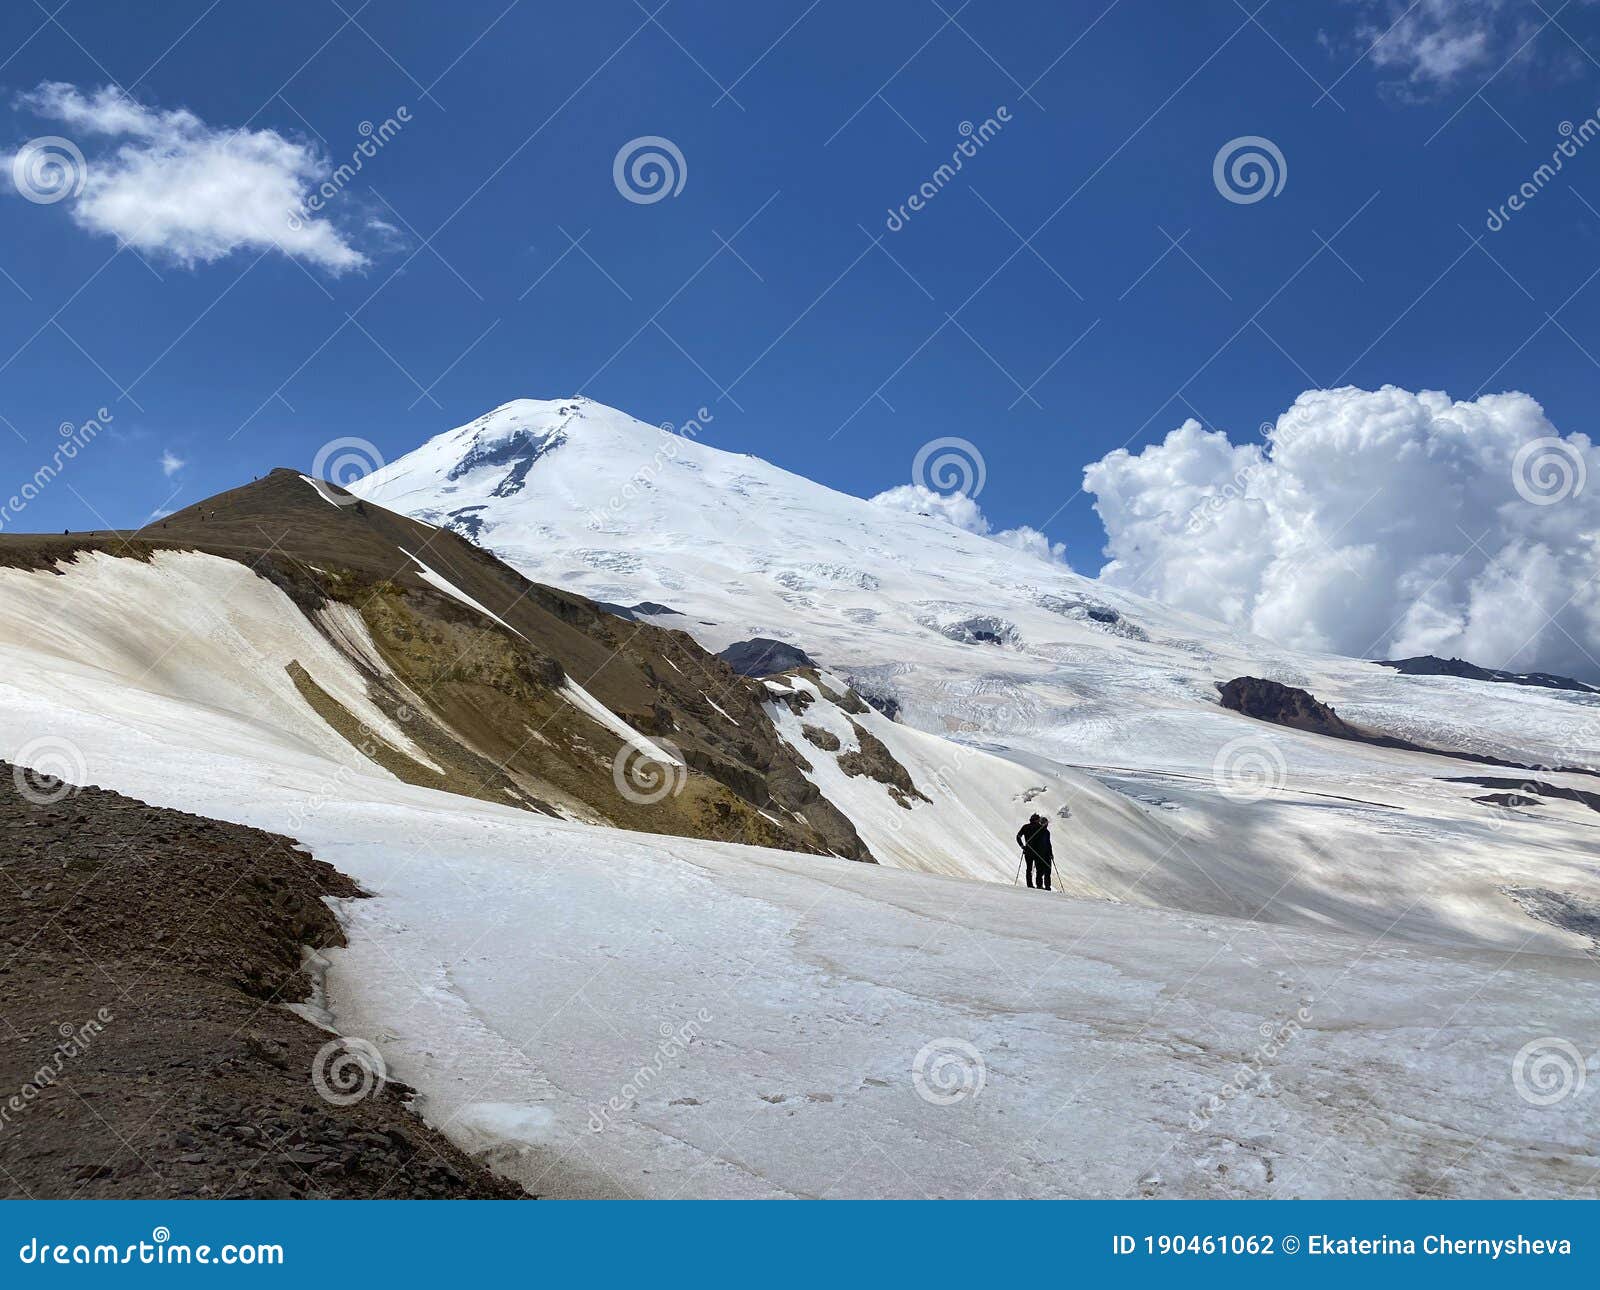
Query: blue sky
[(769, 289)]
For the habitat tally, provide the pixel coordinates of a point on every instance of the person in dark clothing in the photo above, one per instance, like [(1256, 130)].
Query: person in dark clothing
[(1025, 841), (1034, 839), (1043, 855)]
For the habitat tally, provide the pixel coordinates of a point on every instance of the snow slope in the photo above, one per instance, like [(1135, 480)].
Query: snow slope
[(611, 1013), (1011, 655)]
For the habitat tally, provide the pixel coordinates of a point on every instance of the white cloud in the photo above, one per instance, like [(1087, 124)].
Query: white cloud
[(965, 513), (168, 184), (1378, 523), (1433, 45), (171, 463)]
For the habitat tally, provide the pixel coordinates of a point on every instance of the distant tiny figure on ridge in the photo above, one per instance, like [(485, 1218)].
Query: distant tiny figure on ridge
[(1034, 839)]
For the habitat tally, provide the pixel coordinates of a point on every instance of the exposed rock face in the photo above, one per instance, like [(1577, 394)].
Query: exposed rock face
[(1528, 792), (763, 656), (478, 664), (879, 699), (1284, 705), (874, 760), (1432, 665), (519, 451), (823, 739)]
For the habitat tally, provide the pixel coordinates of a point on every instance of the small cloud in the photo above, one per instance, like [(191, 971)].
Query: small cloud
[(168, 184), (965, 513), (160, 513), (171, 463), (1434, 45)]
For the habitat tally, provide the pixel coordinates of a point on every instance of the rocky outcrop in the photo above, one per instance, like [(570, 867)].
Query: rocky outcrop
[(872, 758), (1432, 665), (149, 1054), (823, 739), (1284, 705), (762, 656)]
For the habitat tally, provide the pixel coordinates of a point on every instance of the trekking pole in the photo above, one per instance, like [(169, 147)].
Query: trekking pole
[(1018, 878)]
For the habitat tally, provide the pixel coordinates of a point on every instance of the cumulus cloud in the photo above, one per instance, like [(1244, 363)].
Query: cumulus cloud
[(1373, 523), (965, 513), (171, 463), (169, 185)]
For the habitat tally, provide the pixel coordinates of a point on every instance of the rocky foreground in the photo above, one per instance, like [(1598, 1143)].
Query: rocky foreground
[(146, 1050)]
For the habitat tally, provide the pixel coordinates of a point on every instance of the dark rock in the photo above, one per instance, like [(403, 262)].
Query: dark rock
[(763, 656), (823, 739), (1432, 665), (1284, 705)]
